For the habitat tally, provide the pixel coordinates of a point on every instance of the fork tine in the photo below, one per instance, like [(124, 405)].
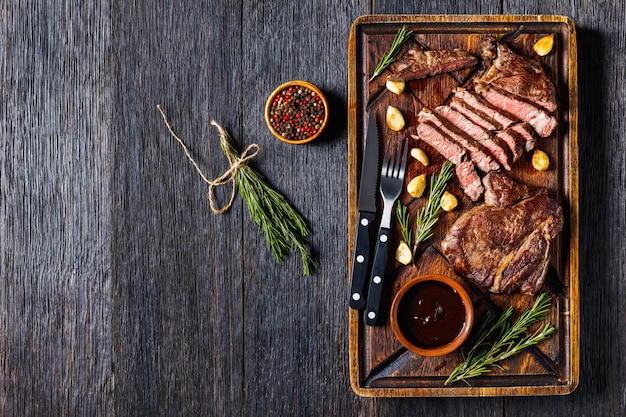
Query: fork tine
[(405, 151), (399, 162), (386, 159), (396, 159)]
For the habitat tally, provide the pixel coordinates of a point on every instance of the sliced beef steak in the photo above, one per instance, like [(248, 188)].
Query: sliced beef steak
[(505, 249), (433, 136), (481, 136), (417, 63), (494, 119), (543, 123), (518, 138), (479, 109), (477, 152)]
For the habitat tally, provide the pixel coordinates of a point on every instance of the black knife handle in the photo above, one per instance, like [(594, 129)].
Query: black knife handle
[(361, 260), (377, 279)]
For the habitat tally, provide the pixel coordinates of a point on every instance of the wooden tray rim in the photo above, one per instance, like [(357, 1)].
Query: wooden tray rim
[(573, 290)]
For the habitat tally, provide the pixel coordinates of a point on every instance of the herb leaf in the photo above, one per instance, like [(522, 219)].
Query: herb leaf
[(500, 339), (402, 36)]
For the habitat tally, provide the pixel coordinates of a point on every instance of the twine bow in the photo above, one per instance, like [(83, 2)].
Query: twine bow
[(229, 176)]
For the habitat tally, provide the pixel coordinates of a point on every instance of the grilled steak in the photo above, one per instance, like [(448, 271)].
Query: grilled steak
[(520, 76), (505, 249), (489, 124), (517, 85), (469, 180), (476, 133), (417, 63), (433, 136)]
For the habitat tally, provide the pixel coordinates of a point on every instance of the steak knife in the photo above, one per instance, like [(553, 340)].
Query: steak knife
[(366, 217)]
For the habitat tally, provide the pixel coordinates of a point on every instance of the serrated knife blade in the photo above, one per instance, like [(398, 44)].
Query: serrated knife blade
[(366, 216)]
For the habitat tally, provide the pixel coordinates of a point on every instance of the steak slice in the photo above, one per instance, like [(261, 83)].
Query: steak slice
[(438, 140), (505, 249), (469, 180), (417, 63), (515, 142), (526, 135), (465, 171)]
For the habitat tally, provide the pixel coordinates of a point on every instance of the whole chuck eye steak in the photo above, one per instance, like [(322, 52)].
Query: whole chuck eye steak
[(504, 247)]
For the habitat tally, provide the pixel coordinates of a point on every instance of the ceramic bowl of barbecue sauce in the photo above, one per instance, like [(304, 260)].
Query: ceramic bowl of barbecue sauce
[(432, 315)]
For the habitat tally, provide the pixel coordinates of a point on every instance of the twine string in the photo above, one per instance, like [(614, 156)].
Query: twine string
[(229, 176)]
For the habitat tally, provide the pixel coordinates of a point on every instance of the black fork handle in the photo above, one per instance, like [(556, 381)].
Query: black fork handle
[(377, 279)]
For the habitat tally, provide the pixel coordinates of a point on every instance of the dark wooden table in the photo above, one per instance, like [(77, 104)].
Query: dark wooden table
[(121, 294)]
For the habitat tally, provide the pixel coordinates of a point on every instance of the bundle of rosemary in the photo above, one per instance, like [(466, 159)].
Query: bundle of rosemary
[(284, 229)]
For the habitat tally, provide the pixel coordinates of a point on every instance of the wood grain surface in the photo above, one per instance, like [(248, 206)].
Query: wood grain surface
[(121, 294)]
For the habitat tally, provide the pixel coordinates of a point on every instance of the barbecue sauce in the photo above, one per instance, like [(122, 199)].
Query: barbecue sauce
[(431, 314)]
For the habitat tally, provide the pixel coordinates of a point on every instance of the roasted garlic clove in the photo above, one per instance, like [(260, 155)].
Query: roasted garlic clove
[(544, 45), (395, 119), (420, 155), (403, 253), (416, 186), (448, 201), (396, 87), (540, 160)]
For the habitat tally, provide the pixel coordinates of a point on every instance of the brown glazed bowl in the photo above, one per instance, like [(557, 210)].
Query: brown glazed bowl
[(288, 136), (432, 315)]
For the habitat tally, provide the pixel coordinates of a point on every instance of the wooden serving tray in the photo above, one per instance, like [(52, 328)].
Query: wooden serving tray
[(379, 364)]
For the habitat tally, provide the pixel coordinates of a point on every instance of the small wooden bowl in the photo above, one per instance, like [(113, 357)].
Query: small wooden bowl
[(268, 108), (448, 286)]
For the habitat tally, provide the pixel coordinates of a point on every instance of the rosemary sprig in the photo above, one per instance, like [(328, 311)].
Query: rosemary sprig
[(402, 36), (402, 214), (427, 216), (284, 228), (500, 339)]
